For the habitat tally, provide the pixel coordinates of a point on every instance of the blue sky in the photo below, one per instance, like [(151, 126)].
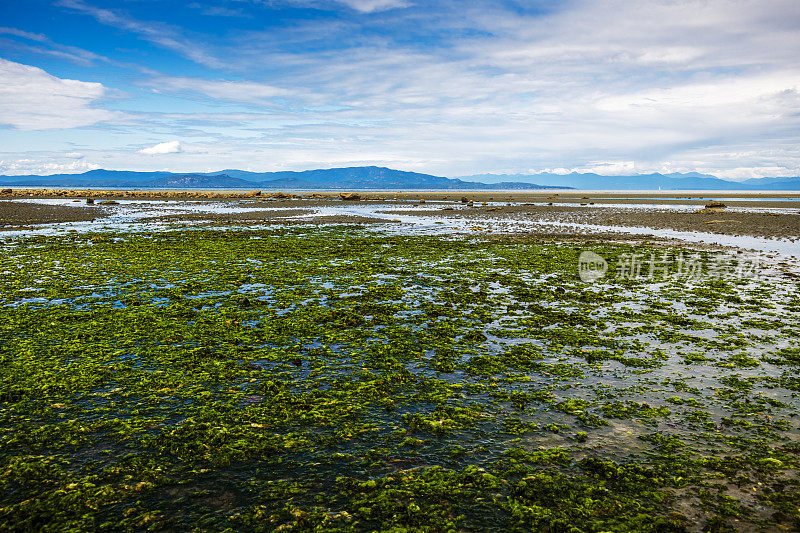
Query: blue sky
[(451, 88)]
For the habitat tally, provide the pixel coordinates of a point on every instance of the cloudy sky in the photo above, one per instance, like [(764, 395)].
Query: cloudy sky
[(447, 87)]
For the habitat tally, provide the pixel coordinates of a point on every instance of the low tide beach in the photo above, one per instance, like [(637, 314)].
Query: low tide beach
[(764, 216), (380, 361)]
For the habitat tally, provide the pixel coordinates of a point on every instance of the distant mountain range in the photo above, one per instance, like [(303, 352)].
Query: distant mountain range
[(386, 178), (331, 178), (674, 181)]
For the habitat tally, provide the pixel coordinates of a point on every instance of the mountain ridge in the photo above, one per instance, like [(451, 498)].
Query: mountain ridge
[(652, 181), (371, 177), (374, 177)]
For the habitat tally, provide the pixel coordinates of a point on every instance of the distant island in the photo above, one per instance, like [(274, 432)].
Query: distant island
[(372, 177), (331, 178), (671, 182)]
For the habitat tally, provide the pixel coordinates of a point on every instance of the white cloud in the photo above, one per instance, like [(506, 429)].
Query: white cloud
[(603, 168), (743, 173), (372, 6), (43, 166), (32, 99), (169, 147), (750, 91)]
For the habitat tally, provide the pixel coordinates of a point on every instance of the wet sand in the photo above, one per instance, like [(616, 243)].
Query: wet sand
[(725, 222), (747, 214), (19, 214)]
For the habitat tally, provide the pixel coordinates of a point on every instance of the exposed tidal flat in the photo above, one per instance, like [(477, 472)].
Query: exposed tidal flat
[(266, 366), (656, 213)]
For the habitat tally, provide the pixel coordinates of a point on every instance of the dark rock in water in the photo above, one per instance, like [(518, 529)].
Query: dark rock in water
[(350, 196), (90, 201), (6, 191), (464, 200), (109, 202), (716, 204)]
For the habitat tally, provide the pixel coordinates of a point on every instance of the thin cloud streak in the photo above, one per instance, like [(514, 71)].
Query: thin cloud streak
[(232, 90), (159, 34)]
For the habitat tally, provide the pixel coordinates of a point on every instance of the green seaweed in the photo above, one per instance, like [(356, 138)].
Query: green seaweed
[(340, 379)]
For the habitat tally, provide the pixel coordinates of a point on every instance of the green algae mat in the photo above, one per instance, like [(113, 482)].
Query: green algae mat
[(337, 379)]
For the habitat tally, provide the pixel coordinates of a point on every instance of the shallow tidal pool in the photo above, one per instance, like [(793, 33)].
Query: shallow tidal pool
[(338, 379)]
